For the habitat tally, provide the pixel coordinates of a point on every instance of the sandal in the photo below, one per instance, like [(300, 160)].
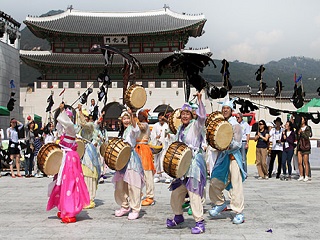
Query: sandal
[(13, 176), (19, 175)]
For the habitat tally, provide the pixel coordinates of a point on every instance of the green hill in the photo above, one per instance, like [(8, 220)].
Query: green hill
[(244, 73)]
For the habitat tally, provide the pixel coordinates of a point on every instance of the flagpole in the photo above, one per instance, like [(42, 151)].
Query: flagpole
[(261, 93), (80, 95), (280, 92)]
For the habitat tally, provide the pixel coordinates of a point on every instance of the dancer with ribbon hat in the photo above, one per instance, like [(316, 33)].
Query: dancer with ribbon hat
[(194, 181), (228, 171), (130, 180)]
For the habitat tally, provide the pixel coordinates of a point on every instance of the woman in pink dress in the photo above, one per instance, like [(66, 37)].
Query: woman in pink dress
[(70, 193)]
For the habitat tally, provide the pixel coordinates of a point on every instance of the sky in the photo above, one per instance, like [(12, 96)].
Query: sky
[(251, 31)]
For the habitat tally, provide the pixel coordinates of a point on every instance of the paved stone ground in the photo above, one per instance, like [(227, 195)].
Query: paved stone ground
[(289, 208)]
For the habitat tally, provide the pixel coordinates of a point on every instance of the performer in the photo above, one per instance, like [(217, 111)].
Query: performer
[(130, 180), (101, 136), (228, 171), (158, 135), (14, 148), (146, 156), (194, 180), (94, 110), (69, 193), (90, 161)]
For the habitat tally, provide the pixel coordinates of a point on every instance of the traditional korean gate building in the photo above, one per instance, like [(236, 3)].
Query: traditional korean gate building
[(149, 36)]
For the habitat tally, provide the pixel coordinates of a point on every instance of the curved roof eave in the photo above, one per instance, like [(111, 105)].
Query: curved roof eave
[(97, 60), (42, 32)]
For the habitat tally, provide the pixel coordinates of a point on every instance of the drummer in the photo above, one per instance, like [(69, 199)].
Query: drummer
[(146, 156), (90, 161), (158, 138), (193, 183), (228, 171), (102, 137), (70, 193), (130, 180)]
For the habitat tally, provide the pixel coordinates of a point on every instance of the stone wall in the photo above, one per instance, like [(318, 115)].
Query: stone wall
[(9, 69)]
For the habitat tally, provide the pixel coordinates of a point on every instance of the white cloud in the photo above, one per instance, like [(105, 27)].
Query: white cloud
[(317, 20), (268, 38), (315, 47), (233, 36), (245, 52)]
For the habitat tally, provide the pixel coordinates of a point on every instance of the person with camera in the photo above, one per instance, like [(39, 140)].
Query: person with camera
[(14, 148)]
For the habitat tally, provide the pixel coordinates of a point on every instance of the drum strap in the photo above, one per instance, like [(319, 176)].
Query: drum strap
[(142, 143), (59, 178), (61, 169)]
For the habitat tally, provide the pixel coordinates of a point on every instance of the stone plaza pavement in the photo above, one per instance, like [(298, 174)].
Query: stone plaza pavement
[(290, 209)]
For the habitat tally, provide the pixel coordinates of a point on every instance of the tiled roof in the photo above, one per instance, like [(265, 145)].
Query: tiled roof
[(104, 23), (47, 57)]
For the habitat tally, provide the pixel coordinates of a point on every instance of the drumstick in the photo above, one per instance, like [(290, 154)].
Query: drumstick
[(165, 112)]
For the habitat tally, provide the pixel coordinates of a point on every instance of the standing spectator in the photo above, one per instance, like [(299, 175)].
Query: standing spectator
[(295, 152), (262, 139), (30, 149), (277, 148), (48, 133), (288, 138), (246, 129), (14, 151), (270, 126), (304, 134), (37, 145), (1, 137)]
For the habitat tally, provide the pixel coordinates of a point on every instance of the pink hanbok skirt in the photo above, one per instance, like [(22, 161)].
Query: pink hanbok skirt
[(72, 195)]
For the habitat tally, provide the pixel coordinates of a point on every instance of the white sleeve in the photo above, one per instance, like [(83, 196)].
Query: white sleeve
[(201, 112), (248, 129), (153, 135), (67, 124), (271, 133), (135, 131), (236, 142), (8, 133)]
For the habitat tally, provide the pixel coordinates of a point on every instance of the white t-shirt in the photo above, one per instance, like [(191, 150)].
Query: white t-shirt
[(246, 129), (275, 135)]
